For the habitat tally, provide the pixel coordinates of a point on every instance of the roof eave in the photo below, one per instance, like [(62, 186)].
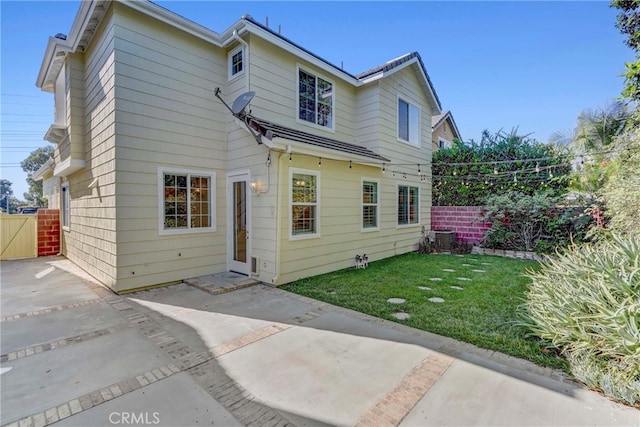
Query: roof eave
[(295, 147), (173, 19), (46, 168)]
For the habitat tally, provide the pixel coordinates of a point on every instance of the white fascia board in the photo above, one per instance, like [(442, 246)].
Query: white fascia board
[(453, 123), (51, 61), (43, 170), (295, 147), (150, 9), (56, 134), (68, 166), (80, 23)]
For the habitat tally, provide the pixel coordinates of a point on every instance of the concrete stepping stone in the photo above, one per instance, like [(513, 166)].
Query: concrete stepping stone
[(425, 288), (466, 265), (457, 287), (401, 316), (396, 300), (448, 269), (435, 279), (466, 279), (479, 271), (436, 299), (486, 263)]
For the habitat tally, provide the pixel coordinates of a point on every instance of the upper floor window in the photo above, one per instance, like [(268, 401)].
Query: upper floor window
[(305, 207), (369, 205), (236, 62), (315, 99), (408, 122), (187, 201)]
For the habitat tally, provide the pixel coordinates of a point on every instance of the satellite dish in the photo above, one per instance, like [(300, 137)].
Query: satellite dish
[(241, 102)]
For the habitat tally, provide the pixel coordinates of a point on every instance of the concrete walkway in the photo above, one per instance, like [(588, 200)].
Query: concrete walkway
[(75, 354)]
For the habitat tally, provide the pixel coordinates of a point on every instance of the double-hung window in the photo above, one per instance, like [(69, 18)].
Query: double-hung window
[(305, 206), (315, 99), (369, 205), (187, 201), (408, 205), (408, 122)]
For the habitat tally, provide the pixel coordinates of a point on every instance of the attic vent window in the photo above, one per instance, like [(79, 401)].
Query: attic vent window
[(236, 62), (315, 99)]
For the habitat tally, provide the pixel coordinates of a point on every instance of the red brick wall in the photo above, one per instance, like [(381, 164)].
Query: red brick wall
[(463, 220), (48, 232)]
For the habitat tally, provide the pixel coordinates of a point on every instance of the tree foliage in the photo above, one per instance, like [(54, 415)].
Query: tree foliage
[(31, 164), (628, 22), (464, 174), (591, 145), (536, 222), (6, 196), (621, 192)]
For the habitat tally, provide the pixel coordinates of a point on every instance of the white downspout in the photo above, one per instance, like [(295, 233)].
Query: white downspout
[(276, 214), (246, 49)]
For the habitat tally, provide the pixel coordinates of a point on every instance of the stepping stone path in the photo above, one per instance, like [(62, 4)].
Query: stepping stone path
[(466, 279), (401, 316), (479, 271), (425, 288), (485, 263), (466, 265), (448, 269), (396, 300), (436, 299), (435, 279), (457, 287)]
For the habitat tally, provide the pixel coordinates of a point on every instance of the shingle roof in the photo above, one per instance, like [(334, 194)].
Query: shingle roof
[(379, 69), (263, 126), (440, 118), (388, 66)]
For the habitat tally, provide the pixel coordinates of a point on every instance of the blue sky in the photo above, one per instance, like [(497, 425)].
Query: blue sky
[(495, 65)]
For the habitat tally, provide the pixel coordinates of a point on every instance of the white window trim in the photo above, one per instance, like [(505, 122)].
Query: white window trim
[(418, 143), (408, 185), (65, 208), (377, 204), (333, 105), (211, 174), (318, 199), (231, 76)]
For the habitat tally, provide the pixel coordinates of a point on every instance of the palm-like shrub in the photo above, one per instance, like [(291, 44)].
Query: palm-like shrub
[(586, 302)]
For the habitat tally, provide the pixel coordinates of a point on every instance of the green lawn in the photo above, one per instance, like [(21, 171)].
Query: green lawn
[(482, 313)]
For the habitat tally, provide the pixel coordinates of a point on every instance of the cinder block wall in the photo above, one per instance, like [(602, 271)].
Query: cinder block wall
[(48, 232), (465, 221)]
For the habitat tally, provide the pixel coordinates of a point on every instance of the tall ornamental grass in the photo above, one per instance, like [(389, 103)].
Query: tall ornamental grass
[(586, 303)]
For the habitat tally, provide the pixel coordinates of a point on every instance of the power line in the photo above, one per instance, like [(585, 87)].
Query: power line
[(18, 94)]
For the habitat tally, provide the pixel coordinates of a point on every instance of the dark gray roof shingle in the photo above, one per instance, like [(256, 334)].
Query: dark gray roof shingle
[(262, 126)]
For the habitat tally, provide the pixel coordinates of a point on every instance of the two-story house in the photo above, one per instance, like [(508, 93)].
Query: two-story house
[(183, 152), (444, 131)]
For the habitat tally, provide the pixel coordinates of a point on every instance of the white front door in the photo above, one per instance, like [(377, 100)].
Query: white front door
[(238, 222)]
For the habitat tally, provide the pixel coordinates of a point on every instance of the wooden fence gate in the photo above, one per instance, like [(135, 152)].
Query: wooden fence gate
[(19, 236)]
